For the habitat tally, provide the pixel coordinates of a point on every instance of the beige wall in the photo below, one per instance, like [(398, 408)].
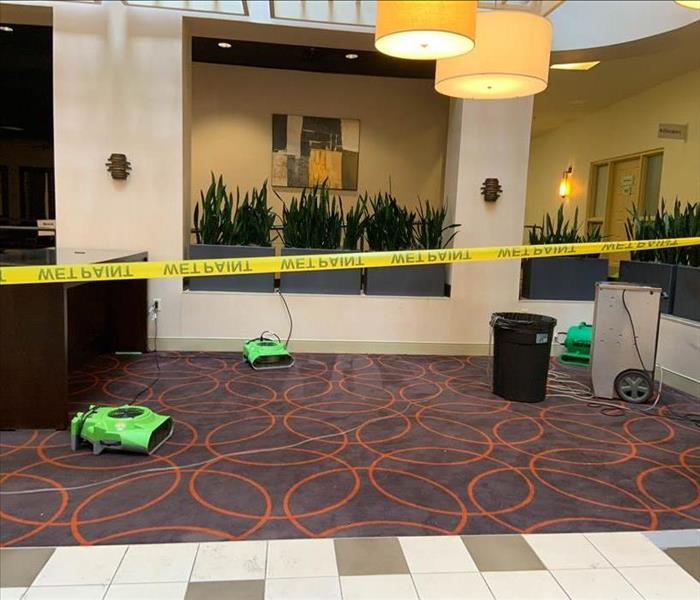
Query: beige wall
[(627, 127), (403, 127)]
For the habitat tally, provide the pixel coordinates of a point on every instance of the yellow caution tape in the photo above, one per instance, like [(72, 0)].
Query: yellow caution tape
[(69, 273)]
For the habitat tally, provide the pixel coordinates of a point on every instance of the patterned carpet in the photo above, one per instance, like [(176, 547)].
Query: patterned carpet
[(372, 446)]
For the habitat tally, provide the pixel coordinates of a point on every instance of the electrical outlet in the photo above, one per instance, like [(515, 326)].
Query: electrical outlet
[(157, 304)]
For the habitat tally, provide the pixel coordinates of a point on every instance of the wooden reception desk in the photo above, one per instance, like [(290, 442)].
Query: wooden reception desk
[(49, 329)]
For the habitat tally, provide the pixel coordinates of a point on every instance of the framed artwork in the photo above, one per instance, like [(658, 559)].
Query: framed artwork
[(310, 150)]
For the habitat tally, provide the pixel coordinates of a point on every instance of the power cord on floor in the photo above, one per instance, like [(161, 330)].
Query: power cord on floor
[(409, 404), (153, 313)]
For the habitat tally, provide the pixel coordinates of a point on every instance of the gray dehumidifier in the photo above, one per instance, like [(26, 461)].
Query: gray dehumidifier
[(623, 346)]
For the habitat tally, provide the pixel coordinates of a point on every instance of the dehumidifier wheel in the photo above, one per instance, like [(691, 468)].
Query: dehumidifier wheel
[(634, 386)]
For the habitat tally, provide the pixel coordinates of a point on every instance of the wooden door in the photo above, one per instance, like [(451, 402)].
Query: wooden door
[(623, 194)]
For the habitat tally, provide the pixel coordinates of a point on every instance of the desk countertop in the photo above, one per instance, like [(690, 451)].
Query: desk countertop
[(70, 256)]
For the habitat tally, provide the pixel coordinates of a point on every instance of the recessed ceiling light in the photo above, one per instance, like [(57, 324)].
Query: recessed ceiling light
[(224, 45), (6, 28), (577, 66), (352, 56)]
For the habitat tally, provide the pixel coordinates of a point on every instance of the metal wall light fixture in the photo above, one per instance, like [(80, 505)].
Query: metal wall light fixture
[(118, 166), (491, 189), (565, 183)]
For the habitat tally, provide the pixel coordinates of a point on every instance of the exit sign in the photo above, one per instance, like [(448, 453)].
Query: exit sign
[(673, 131)]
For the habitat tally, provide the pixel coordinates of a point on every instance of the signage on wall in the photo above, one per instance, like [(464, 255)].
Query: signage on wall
[(673, 131), (626, 184)]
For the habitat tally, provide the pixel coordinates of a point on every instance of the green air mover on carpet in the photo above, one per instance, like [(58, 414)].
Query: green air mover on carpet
[(578, 345), (264, 353), (128, 428)]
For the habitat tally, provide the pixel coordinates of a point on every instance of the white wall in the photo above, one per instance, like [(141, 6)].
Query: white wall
[(403, 124)]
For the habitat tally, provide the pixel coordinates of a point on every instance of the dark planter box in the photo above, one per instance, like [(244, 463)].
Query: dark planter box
[(417, 280), (562, 278), (686, 299), (343, 281), (264, 282), (661, 275)]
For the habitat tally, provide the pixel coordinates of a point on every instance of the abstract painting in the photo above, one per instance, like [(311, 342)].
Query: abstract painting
[(310, 150)]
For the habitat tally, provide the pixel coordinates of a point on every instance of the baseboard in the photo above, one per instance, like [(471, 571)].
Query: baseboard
[(327, 346), (681, 382)]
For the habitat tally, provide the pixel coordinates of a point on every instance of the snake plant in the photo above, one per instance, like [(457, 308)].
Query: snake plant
[(389, 226), (355, 223), (221, 223), (431, 227), (315, 220), (680, 221)]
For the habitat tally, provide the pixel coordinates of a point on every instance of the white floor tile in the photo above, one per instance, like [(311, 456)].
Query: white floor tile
[(594, 584), (156, 563), (303, 588), (301, 558), (12, 593), (629, 549), (566, 551), (81, 565), (66, 592), (662, 583), (230, 561), (524, 585), (378, 587), (674, 538), (451, 586), (436, 554), (147, 591)]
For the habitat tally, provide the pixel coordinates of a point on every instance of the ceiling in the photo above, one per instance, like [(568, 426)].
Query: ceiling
[(308, 58), (625, 70)]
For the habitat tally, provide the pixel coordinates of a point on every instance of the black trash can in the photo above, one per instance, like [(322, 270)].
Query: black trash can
[(521, 347)]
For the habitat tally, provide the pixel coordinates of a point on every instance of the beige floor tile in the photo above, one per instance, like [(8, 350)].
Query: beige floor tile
[(19, 566), (662, 583), (301, 558), (524, 585), (156, 563), (502, 553), (378, 587), (147, 591), (629, 549), (66, 592), (595, 584), (303, 588), (566, 551), (226, 590), (370, 556), (81, 565), (230, 561), (688, 559), (451, 586), (436, 554)]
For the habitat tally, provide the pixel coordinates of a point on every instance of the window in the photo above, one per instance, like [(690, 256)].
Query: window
[(36, 194), (651, 189)]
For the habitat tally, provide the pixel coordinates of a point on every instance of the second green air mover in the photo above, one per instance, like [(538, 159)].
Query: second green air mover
[(266, 353), (577, 344), (128, 428)]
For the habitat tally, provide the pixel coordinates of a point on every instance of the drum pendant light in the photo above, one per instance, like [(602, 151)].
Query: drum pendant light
[(510, 60), (425, 30)]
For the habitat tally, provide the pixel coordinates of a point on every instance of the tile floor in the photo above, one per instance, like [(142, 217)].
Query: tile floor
[(662, 565)]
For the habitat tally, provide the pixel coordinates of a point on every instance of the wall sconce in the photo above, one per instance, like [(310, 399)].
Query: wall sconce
[(491, 189), (565, 183), (118, 166)]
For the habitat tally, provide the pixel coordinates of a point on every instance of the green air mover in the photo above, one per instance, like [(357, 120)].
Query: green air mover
[(578, 345), (129, 428), (265, 353)]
